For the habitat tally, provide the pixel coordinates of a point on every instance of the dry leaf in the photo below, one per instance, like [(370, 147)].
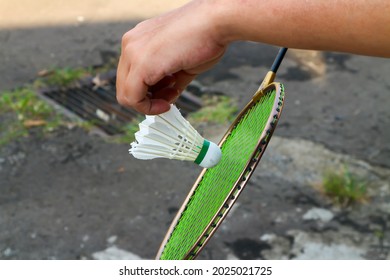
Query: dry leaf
[(33, 123), (98, 82), (44, 73)]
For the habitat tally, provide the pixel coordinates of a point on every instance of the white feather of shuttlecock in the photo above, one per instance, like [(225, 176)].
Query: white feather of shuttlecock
[(170, 135)]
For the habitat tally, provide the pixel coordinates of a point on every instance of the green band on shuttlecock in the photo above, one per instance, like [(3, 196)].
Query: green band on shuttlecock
[(203, 152)]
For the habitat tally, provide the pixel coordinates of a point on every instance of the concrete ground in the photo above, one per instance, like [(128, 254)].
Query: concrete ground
[(73, 195), (41, 34)]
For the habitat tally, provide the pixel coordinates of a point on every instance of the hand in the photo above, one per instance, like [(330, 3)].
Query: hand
[(161, 56)]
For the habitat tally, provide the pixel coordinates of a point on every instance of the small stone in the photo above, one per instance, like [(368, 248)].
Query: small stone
[(114, 253), (279, 220), (112, 239), (231, 256), (319, 214), (7, 252), (268, 237), (16, 158)]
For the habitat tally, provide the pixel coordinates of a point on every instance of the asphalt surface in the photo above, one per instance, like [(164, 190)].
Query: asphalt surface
[(64, 196)]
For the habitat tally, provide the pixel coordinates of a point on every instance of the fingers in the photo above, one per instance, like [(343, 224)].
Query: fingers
[(139, 96), (121, 75), (167, 81), (133, 92), (150, 100), (168, 94), (154, 69), (183, 79), (129, 91)]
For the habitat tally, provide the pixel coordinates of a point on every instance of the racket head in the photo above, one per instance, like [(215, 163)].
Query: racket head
[(217, 189)]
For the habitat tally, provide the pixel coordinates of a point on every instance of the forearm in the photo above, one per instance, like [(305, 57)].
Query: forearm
[(162, 55), (356, 26)]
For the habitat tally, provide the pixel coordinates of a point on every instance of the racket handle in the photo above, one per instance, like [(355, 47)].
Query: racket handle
[(270, 77), (278, 60)]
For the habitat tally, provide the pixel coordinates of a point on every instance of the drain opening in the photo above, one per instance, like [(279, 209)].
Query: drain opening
[(97, 103)]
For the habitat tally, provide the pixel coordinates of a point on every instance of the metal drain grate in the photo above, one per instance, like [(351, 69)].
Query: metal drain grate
[(94, 100)]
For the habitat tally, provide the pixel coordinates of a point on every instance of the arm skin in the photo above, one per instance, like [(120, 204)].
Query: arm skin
[(162, 55)]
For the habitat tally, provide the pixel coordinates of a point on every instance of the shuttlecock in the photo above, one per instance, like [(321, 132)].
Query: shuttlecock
[(170, 135)]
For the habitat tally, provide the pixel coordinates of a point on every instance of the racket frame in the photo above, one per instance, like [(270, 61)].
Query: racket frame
[(266, 86)]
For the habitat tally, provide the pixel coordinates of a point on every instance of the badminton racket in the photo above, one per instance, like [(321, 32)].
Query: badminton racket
[(217, 189)]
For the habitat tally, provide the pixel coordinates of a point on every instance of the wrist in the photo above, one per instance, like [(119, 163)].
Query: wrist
[(243, 20), (218, 16)]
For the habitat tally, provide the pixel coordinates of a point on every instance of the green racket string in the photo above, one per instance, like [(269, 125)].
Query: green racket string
[(218, 181)]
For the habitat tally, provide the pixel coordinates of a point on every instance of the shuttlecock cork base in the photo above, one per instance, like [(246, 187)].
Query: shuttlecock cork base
[(170, 135)]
